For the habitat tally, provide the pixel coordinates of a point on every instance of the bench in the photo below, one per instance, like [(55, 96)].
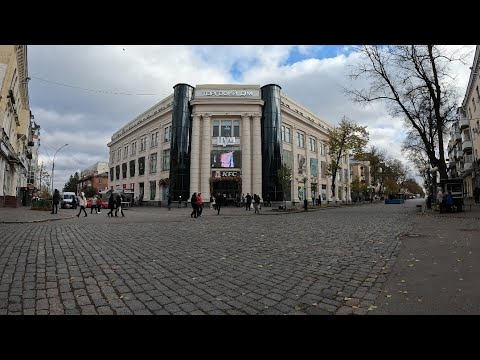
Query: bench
[(125, 204)]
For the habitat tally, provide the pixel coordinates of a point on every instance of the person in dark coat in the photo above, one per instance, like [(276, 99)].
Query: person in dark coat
[(169, 202), (249, 201), (111, 205), (119, 205), (218, 202), (56, 200), (193, 201), (476, 195)]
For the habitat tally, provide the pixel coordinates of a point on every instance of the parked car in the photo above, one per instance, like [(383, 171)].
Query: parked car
[(100, 202), (67, 200)]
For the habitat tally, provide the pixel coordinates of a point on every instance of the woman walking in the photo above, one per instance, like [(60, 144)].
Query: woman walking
[(193, 201), (82, 202), (94, 205)]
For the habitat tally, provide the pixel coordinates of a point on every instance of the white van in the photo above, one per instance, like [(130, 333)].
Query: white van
[(67, 200)]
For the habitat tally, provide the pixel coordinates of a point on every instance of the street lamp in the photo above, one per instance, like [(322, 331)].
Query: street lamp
[(53, 164)]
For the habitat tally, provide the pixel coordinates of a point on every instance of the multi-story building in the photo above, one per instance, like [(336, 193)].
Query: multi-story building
[(469, 126), (228, 139), (15, 116), (34, 172), (95, 176)]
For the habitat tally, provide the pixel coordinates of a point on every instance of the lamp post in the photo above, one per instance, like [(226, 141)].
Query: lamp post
[(53, 164), (305, 201)]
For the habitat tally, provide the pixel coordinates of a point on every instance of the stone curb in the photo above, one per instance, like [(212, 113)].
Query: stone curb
[(35, 221)]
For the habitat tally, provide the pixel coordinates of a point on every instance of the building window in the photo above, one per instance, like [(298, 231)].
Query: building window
[(124, 170), (141, 165), (117, 172), (166, 160), (153, 163), (143, 144), (312, 144), (167, 134), (111, 174), (286, 134), (226, 128), (132, 168), (474, 105), (154, 141), (153, 189), (300, 140), (134, 148), (119, 154), (125, 151)]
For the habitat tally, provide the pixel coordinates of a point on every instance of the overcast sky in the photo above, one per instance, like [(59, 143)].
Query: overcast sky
[(86, 118)]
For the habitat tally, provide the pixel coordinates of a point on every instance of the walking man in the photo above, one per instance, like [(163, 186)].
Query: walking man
[(249, 201), (476, 194), (193, 201), (119, 205), (94, 205), (111, 205)]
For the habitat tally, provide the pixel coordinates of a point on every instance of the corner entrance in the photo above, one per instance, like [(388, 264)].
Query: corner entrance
[(229, 187)]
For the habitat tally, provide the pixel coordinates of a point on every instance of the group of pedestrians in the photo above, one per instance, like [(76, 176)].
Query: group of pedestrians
[(197, 205)]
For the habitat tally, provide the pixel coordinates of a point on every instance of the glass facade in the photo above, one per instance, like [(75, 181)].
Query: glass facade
[(181, 142), (271, 126)]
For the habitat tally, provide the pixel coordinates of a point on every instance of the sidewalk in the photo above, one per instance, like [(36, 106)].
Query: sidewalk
[(26, 215)]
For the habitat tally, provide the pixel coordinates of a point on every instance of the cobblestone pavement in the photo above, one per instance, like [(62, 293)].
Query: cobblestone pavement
[(158, 262)]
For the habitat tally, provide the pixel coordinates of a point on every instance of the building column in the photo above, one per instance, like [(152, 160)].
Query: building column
[(195, 156), (205, 168), (295, 177), (246, 156), (257, 157)]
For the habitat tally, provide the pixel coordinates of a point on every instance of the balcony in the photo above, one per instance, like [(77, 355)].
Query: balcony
[(464, 123), (459, 154), (467, 145), (452, 164), (458, 136)]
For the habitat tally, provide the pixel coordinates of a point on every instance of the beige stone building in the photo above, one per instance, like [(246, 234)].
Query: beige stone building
[(464, 145), (16, 133), (228, 139)]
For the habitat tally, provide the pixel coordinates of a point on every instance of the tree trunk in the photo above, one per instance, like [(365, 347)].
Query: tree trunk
[(333, 188)]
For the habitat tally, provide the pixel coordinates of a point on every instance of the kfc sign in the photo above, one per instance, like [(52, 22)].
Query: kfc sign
[(221, 173)]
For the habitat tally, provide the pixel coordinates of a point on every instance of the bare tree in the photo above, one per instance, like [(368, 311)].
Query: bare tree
[(414, 82)]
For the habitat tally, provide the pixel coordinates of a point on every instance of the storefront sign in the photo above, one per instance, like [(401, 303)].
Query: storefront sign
[(228, 93), (222, 140), (222, 173)]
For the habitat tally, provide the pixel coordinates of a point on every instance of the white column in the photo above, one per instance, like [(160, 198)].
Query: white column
[(246, 156), (205, 158), (195, 156), (257, 157), (295, 175)]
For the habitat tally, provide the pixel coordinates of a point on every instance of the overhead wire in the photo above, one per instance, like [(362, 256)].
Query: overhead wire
[(95, 90)]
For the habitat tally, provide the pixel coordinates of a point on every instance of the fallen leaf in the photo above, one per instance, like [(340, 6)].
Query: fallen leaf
[(389, 296), (405, 292), (347, 298), (459, 259), (298, 308), (417, 260), (222, 258), (244, 293), (260, 265), (460, 279), (419, 300), (372, 308), (355, 307), (469, 252), (219, 299), (411, 265), (403, 281), (314, 304), (121, 297)]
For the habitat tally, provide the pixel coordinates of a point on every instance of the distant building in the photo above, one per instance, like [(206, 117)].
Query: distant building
[(15, 128), (227, 139), (95, 176)]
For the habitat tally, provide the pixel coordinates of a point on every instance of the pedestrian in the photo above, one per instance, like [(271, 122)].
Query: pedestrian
[(169, 202), (193, 202), (55, 202), (82, 202), (199, 204), (218, 202), (74, 202), (256, 203), (248, 201), (269, 203), (111, 204), (119, 205), (476, 194), (94, 205)]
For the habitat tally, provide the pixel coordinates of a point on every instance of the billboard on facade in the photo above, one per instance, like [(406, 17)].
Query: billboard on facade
[(226, 158)]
